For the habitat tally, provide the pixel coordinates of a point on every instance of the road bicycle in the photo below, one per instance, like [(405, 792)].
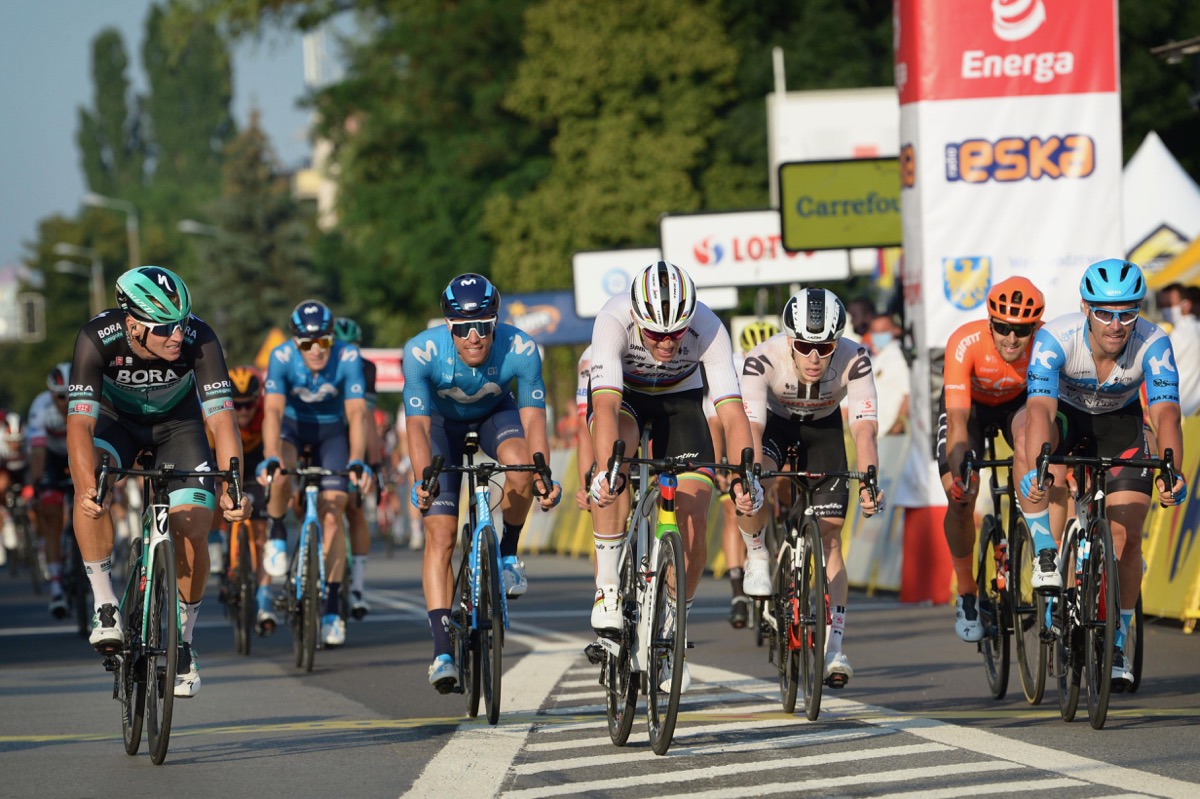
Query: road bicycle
[(797, 612), (144, 666), (1008, 606), (241, 584), (479, 604), (1084, 617), (76, 587), (304, 593), (24, 557), (647, 655)]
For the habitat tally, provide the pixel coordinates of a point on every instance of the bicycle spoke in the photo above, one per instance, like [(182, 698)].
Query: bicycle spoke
[(668, 642)]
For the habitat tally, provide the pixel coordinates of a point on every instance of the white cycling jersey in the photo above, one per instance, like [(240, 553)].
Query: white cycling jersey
[(770, 383), (620, 362), (47, 428)]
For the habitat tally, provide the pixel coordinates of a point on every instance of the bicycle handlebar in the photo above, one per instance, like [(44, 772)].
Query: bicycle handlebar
[(310, 471), (167, 472), (485, 471), (675, 465), (869, 479), (972, 464), (1165, 465)]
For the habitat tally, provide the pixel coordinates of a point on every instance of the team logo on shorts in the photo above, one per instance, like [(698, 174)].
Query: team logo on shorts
[(966, 280)]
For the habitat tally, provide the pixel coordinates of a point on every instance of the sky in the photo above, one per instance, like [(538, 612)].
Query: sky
[(45, 77)]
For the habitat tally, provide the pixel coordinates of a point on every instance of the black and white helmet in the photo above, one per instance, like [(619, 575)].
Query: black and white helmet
[(663, 297), (814, 315)]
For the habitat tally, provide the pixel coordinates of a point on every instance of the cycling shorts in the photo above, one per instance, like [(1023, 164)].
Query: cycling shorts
[(982, 418), (1119, 434), (178, 440), (446, 439), (680, 429), (820, 446), (329, 443)]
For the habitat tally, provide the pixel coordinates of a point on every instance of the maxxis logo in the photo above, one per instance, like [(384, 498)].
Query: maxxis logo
[(1014, 20)]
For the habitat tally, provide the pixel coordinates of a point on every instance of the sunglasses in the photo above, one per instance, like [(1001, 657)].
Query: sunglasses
[(482, 327), (657, 337), (245, 405), (306, 344), (165, 330), (822, 348), (1105, 315), (1004, 328)]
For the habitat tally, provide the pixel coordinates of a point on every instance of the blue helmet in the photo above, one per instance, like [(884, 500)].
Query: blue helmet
[(470, 296), (1113, 280), (311, 319)]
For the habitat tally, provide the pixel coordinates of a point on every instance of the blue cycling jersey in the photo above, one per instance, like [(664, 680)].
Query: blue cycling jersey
[(321, 396), (436, 381)]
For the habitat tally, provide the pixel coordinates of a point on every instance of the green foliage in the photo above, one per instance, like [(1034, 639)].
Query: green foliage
[(109, 138)]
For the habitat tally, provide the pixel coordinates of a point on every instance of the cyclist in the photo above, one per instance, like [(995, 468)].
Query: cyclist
[(456, 380), (316, 399), (648, 348), (585, 459), (148, 375), (1084, 377), (983, 386), (794, 384), (752, 335), (348, 331), (247, 386), (47, 474)]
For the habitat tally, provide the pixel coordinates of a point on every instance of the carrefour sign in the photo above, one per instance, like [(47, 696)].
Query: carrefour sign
[(827, 205)]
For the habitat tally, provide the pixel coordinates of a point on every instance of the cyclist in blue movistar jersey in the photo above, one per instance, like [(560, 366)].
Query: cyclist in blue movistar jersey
[(1084, 375), (316, 398), (456, 380)]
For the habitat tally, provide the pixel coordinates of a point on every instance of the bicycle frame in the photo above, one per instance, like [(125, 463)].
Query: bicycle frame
[(311, 521), (479, 519)]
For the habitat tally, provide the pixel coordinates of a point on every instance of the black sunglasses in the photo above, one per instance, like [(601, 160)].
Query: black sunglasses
[(1020, 331)]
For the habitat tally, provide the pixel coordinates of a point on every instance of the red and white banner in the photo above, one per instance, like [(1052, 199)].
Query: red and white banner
[(389, 368), (1010, 147)]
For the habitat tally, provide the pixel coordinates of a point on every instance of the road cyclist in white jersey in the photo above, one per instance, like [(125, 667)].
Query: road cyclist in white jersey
[(648, 348), (48, 474), (1085, 374), (793, 384)]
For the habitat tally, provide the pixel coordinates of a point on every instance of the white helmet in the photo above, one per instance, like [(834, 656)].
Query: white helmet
[(59, 378), (663, 298), (814, 315)]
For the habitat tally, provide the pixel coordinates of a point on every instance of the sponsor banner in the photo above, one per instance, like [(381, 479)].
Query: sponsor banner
[(548, 316), (743, 248), (600, 275), (1004, 48), (389, 371), (838, 204), (1171, 545)]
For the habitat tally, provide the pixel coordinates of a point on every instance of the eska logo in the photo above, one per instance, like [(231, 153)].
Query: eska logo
[(1015, 158)]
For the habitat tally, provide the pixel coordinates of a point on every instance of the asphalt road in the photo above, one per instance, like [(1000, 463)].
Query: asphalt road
[(916, 720)]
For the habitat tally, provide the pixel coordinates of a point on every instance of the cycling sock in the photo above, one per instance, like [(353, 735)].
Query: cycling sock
[(98, 575), (755, 548), (358, 572), (332, 598), (264, 599), (188, 611), (439, 625), (966, 578), (278, 530), (1123, 628), (608, 559), (508, 544), (1039, 527), (735, 581), (55, 570), (837, 629)]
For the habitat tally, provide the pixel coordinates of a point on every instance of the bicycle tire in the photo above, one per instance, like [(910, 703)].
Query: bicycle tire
[(784, 609), (131, 691), (161, 649), (1068, 646), (462, 637), (242, 594), (1101, 611), (621, 685), (667, 641), (994, 646), (1028, 611), (491, 625), (812, 619), (1138, 631)]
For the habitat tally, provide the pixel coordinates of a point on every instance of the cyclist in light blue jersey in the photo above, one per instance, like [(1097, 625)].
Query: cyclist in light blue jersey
[(1085, 372), (316, 399), (456, 380)]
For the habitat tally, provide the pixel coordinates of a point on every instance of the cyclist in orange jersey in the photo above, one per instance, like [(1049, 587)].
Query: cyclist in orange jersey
[(983, 386)]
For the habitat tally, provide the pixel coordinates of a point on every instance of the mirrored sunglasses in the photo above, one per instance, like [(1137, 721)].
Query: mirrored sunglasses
[(482, 327), (822, 348), (656, 337), (1105, 315), (1004, 328), (306, 344), (164, 330)]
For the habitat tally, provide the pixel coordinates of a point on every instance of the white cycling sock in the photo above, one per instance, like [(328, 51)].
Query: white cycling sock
[(756, 549), (188, 611), (836, 630), (358, 572), (98, 572), (608, 559)]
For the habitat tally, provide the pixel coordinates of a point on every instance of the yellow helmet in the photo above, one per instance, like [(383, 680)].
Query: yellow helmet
[(756, 333)]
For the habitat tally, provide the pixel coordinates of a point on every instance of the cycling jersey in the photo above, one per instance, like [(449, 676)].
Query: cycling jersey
[(1062, 367), (316, 397), (437, 382), (974, 372), (771, 384), (621, 363), (106, 373), (46, 429), (582, 383)]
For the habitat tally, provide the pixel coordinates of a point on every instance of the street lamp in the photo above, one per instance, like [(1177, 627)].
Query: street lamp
[(131, 222), (191, 226), (96, 273)]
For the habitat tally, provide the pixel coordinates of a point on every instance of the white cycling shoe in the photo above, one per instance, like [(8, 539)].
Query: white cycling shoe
[(1046, 578), (756, 581), (513, 573), (966, 619), (443, 674), (685, 679), (187, 674), (333, 630), (606, 612), (837, 669), (275, 558)]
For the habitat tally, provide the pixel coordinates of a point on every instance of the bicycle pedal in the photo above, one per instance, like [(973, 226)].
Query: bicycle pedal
[(111, 663), (594, 653), (837, 681), (689, 645)]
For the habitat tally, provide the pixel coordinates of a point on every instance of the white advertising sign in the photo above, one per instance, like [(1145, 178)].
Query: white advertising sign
[(743, 248), (606, 273)]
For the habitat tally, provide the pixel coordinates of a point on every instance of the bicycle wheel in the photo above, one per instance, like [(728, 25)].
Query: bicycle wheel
[(620, 683), (243, 593), (1136, 632), (1101, 611), (463, 637), (310, 600), (995, 643), (813, 616), (491, 624), (785, 609), (1028, 611), (161, 649), (130, 687), (668, 642), (1068, 644)]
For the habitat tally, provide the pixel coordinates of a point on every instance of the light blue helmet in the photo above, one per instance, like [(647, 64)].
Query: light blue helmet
[(1113, 281)]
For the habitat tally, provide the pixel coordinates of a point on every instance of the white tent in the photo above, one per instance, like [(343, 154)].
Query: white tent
[(1161, 206)]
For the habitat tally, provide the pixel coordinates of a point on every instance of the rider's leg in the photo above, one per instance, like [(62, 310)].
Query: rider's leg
[(50, 528), (436, 580), (758, 571), (692, 501), (959, 527), (331, 506), (360, 542), (1126, 515), (95, 537), (518, 493), (835, 573), (189, 526)]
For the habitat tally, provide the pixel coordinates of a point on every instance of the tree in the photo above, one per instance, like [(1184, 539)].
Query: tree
[(109, 137)]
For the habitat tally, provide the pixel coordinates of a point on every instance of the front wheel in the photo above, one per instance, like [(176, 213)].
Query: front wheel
[(309, 617), (243, 590), (620, 683), (785, 607), (1068, 645), (668, 642), (1101, 611), (491, 624), (1136, 633), (813, 605), (161, 649), (991, 605), (1028, 613)]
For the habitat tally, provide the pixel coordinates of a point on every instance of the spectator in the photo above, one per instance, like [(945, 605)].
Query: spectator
[(891, 374), (861, 311), (1177, 305)]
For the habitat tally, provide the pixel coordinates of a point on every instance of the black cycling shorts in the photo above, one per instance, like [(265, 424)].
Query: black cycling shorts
[(177, 440), (1118, 434), (679, 427), (982, 417), (820, 446)]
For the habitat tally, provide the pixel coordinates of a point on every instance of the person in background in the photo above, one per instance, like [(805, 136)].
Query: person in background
[(1175, 303), (861, 311), (892, 376)]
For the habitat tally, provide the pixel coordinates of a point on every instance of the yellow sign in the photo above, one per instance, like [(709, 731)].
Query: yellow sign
[(837, 205)]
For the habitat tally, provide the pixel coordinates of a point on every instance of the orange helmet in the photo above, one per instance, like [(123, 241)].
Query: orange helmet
[(246, 383), (1015, 301)]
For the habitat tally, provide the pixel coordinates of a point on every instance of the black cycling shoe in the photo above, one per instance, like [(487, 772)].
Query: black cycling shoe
[(739, 612)]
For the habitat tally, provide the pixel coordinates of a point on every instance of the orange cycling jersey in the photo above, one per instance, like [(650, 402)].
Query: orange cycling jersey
[(975, 372)]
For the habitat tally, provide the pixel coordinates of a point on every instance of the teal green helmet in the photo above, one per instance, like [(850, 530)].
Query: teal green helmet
[(154, 295), (347, 330)]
